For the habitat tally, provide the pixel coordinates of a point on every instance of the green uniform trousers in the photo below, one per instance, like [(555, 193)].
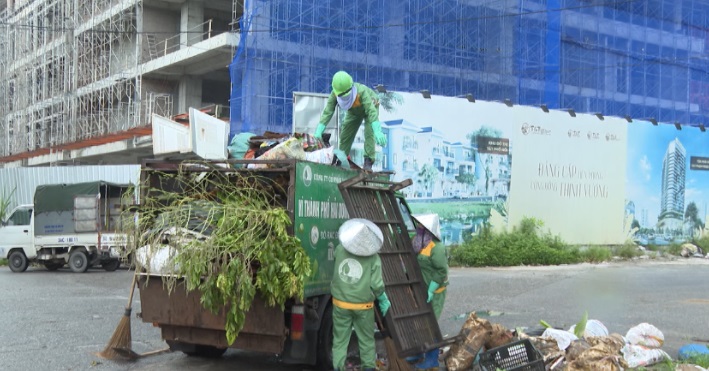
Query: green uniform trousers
[(437, 303), (363, 322), (349, 132)]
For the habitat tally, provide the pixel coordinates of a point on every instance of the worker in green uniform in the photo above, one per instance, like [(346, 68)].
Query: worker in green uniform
[(434, 269), (360, 103), (356, 282)]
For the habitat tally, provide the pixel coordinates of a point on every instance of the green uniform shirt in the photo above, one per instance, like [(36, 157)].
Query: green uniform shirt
[(434, 264), (357, 279), (364, 106)]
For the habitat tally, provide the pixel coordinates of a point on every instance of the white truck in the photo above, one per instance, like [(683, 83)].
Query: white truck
[(75, 224)]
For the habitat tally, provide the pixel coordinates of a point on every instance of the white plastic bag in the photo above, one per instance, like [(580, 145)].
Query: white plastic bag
[(563, 338), (638, 355), (645, 334), (594, 327), (157, 260), (321, 156)]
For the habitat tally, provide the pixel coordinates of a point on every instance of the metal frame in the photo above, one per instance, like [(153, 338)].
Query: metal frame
[(410, 321)]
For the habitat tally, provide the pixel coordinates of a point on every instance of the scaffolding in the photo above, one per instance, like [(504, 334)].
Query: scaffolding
[(641, 59), (68, 71), (71, 69)]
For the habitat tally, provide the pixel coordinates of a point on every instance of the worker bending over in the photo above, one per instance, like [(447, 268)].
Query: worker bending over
[(359, 103)]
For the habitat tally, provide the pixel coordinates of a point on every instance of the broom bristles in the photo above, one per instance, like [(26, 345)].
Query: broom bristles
[(121, 339)]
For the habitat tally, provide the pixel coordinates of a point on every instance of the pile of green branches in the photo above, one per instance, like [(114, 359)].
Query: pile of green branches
[(230, 239)]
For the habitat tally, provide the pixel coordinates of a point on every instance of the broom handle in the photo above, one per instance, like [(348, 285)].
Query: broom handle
[(132, 290), (379, 320)]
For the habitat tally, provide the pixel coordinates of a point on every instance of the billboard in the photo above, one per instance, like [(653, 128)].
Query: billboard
[(476, 160), (667, 182), (591, 179)]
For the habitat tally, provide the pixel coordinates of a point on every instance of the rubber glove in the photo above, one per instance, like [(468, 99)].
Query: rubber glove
[(384, 303), (432, 287), (319, 131), (379, 137)]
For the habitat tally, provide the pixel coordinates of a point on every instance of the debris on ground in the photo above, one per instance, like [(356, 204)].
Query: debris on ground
[(596, 349), (691, 250), (474, 334)]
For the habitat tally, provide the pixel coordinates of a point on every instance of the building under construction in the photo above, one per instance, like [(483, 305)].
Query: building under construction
[(74, 70), (77, 73)]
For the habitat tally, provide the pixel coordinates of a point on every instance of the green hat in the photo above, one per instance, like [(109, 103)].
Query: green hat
[(341, 82)]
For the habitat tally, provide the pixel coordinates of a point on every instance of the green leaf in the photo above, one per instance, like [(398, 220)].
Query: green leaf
[(580, 328)]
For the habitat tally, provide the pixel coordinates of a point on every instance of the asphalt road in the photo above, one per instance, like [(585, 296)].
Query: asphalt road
[(58, 320)]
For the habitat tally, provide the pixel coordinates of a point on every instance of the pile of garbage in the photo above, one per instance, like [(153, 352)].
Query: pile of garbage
[(277, 146), (595, 349)]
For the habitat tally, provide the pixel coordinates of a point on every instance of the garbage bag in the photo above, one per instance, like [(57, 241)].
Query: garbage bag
[(597, 353), (688, 367), (597, 359), (613, 342), (693, 350), (594, 327), (563, 338), (646, 335), (321, 156), (548, 348), (576, 348), (499, 336), (638, 355), (475, 332), (290, 149)]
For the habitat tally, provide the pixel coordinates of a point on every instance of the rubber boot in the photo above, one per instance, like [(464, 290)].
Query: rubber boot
[(368, 162), (430, 361)]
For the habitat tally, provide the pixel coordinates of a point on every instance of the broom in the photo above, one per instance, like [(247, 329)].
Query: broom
[(395, 363), (121, 338)]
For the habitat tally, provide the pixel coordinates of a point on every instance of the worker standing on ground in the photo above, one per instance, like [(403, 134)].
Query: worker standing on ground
[(359, 103), (434, 269), (356, 282)]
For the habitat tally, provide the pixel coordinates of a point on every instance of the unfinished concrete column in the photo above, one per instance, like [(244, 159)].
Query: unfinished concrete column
[(189, 94), (192, 16)]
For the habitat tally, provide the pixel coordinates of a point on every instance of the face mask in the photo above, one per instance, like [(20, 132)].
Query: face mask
[(347, 101)]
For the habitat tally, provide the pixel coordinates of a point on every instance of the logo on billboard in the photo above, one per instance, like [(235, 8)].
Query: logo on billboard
[(314, 236), (307, 175), (534, 129)]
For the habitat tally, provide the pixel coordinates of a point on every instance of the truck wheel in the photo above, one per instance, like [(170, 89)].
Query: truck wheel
[(53, 266), (78, 261), (111, 265), (18, 261), (324, 355)]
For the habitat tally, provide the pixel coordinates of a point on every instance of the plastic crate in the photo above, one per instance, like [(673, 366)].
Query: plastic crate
[(516, 356)]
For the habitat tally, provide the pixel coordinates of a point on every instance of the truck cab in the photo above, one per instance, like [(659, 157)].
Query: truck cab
[(16, 238), (76, 224)]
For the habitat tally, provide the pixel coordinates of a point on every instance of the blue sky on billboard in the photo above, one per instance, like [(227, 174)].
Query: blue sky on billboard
[(647, 145)]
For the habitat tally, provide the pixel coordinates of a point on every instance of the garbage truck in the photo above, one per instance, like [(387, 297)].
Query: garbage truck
[(76, 224), (318, 198)]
